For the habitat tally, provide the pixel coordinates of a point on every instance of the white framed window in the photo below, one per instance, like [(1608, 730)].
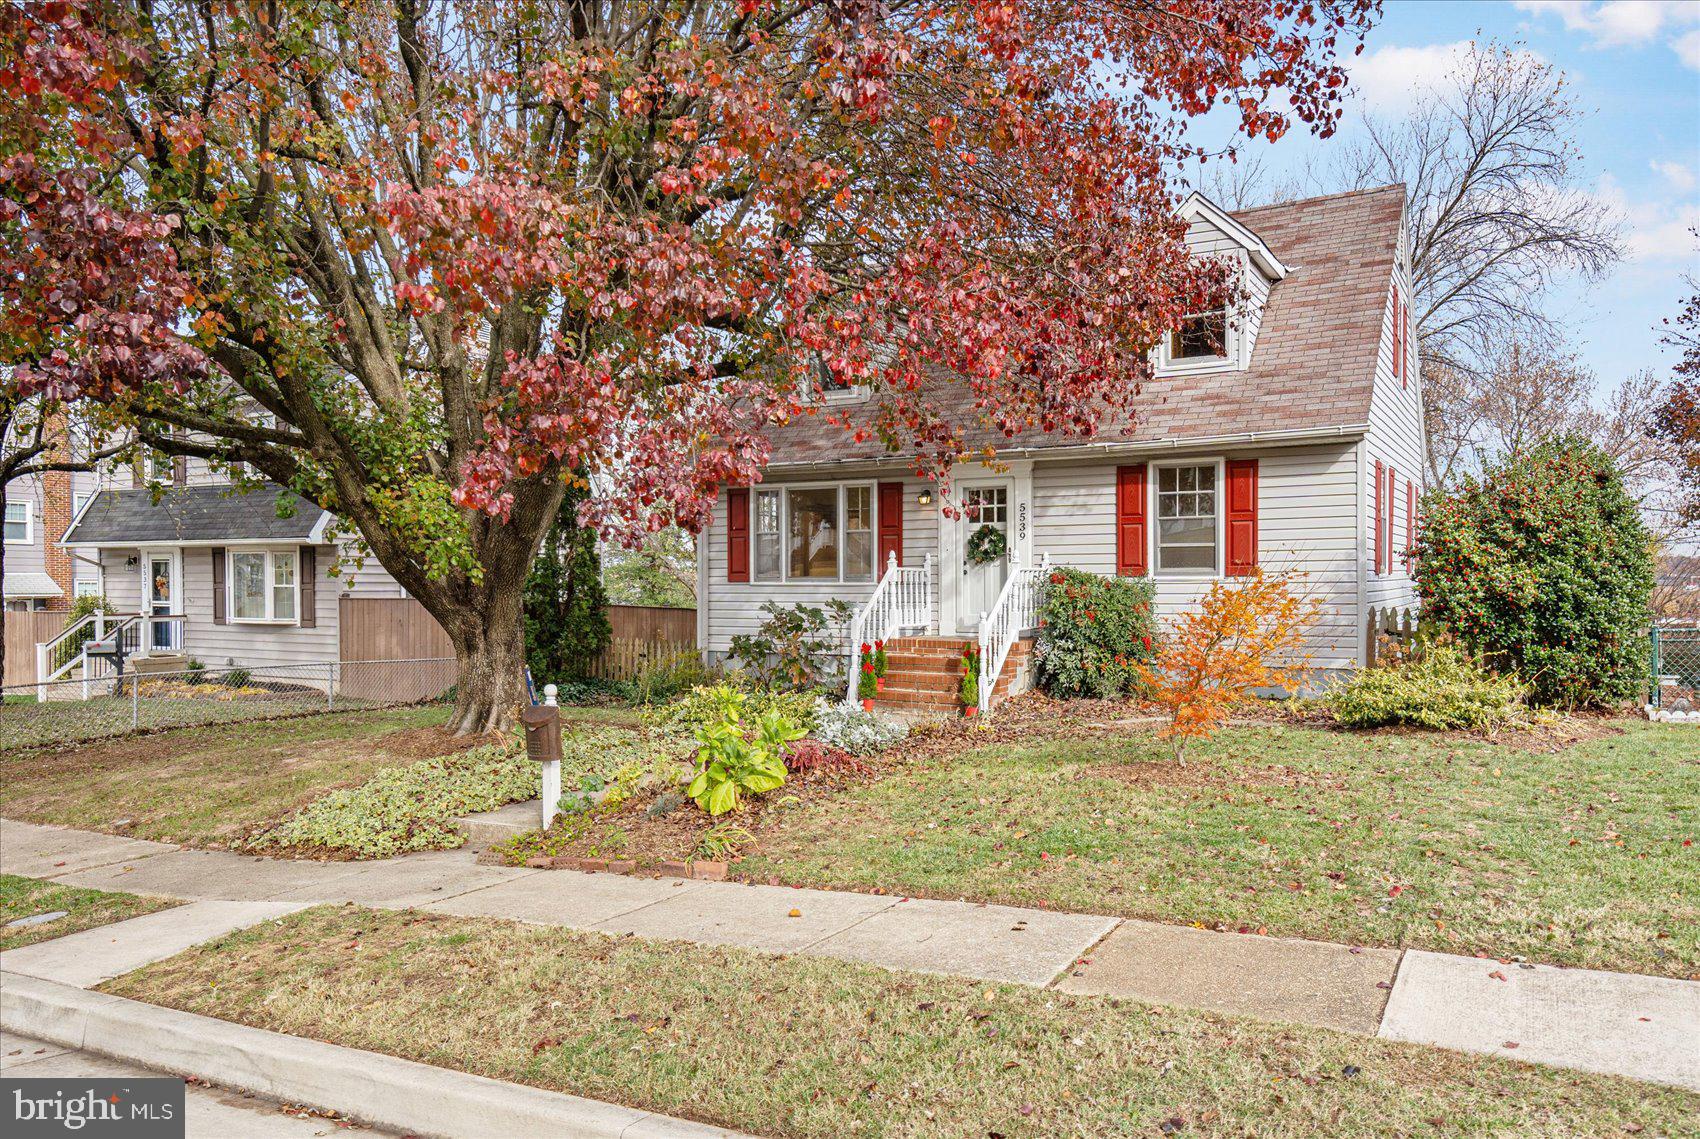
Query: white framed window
[(1188, 533), (20, 523), (264, 585), (815, 532), (86, 587), (79, 499)]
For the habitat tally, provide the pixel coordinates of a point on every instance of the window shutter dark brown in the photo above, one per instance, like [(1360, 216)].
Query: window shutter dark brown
[(891, 525), (307, 566), (1131, 536), (218, 585), (738, 533), (1242, 517)]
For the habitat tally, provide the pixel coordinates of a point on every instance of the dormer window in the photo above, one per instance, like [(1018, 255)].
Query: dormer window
[(1201, 337)]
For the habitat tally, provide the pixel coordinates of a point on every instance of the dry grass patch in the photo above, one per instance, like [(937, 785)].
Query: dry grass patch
[(807, 1047)]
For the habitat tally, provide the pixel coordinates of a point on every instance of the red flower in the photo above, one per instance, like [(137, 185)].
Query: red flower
[(1056, 579), (867, 648), (1147, 641), (868, 667), (1091, 616), (879, 646)]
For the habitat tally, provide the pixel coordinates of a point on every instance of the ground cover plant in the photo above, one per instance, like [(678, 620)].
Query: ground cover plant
[(209, 786), (406, 808), (847, 1049), (1544, 564), (1578, 851), (84, 909)]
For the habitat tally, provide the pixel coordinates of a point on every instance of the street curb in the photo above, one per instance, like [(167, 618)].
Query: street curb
[(384, 1091)]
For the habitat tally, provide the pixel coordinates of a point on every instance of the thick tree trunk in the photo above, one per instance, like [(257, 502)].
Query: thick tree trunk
[(489, 658)]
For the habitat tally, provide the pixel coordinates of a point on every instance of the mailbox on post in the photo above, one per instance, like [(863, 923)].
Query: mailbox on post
[(542, 732)]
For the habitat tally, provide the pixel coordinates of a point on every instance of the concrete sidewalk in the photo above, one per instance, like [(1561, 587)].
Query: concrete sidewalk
[(1623, 1024)]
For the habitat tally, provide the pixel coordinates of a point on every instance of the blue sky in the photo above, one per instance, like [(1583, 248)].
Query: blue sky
[(1635, 65)]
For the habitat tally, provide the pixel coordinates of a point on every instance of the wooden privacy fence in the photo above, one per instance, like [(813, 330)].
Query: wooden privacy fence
[(25, 630), (399, 629)]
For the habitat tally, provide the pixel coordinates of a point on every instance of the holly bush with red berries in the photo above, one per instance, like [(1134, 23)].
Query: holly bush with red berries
[(1094, 632), (1544, 565)]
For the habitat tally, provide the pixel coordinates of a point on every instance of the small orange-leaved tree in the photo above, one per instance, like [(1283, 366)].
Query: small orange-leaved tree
[(1240, 638)]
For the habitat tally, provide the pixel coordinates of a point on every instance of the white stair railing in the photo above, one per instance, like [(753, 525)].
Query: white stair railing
[(1016, 610), (55, 658), (902, 601)]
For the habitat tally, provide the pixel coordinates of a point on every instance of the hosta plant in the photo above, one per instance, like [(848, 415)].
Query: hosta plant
[(733, 762)]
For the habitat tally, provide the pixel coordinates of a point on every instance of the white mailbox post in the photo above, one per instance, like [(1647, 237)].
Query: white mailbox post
[(551, 769)]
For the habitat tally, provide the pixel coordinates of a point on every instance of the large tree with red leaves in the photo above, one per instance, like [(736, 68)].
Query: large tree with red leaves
[(461, 254)]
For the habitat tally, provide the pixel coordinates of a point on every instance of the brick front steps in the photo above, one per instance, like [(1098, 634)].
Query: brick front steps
[(925, 673)]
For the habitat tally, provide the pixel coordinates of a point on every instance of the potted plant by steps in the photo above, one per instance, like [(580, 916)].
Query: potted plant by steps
[(880, 666), (866, 686), (970, 690)]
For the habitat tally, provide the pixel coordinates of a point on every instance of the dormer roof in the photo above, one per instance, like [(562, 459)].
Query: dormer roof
[(1199, 208)]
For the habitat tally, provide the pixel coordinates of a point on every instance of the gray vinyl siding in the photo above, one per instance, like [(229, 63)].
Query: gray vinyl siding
[(27, 557), (1306, 523), (1395, 437), (735, 607)]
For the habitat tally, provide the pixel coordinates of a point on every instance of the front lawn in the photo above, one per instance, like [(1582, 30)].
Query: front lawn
[(801, 1046), (1573, 853), (84, 909), (206, 786)]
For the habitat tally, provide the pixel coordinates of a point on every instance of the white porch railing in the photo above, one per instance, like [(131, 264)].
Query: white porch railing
[(902, 602), (1016, 611), (138, 635)]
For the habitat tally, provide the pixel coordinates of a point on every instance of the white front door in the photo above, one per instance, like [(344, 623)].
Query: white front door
[(161, 590), (983, 505)]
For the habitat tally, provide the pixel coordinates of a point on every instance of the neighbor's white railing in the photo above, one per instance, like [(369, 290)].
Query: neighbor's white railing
[(1016, 611), (57, 659), (903, 600)]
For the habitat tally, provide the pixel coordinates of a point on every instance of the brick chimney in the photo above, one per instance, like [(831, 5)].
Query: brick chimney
[(55, 520)]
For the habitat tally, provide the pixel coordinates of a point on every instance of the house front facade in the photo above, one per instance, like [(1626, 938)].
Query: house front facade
[(1285, 435)]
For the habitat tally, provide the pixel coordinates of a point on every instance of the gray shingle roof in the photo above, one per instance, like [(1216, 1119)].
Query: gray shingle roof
[(192, 514), (30, 585)]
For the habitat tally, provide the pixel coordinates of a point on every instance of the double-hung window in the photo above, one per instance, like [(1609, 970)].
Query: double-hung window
[(1186, 519), (264, 586), (814, 533), (20, 523)]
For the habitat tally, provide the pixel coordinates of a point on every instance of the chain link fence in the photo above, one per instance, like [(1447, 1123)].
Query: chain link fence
[(77, 710), (1675, 669)]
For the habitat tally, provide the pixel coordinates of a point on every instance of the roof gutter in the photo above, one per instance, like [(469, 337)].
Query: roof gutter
[(188, 543), (1147, 446)]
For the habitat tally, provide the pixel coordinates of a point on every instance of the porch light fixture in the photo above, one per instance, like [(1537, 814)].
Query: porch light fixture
[(925, 498)]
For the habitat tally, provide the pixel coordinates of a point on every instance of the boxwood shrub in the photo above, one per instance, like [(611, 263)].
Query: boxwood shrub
[(1092, 632), (1544, 565)]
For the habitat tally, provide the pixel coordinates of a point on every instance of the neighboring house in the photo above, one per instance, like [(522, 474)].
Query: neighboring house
[(39, 574), (1286, 435), (220, 576)]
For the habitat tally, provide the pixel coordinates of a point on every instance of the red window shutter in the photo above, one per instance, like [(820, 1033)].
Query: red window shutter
[(1410, 521), (1398, 337), (890, 524), (1380, 513), (738, 533), (1242, 517), (1405, 345), (1392, 510), (1131, 538)]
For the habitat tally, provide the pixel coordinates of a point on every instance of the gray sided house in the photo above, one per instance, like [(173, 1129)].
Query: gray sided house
[(222, 577), (1286, 434)]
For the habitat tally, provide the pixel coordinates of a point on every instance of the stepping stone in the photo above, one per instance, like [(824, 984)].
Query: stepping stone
[(1275, 978), (36, 919)]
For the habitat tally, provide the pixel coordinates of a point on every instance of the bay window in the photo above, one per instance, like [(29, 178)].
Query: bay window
[(264, 586)]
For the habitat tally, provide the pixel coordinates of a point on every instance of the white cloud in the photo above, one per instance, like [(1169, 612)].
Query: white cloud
[(1629, 23), (1680, 177), (1655, 231), (1390, 78)]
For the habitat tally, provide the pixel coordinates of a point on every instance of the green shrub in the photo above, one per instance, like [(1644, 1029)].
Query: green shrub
[(661, 681), (700, 705), (1442, 688), (1544, 566), (1093, 632), (734, 758), (796, 647), (402, 809), (565, 620)]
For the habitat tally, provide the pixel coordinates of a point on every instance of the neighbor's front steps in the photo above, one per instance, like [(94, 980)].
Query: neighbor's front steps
[(1615, 1023), (925, 673)]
